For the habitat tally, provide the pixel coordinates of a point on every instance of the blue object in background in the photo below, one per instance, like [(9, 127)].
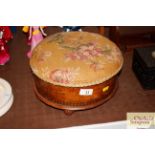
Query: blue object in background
[(13, 29), (71, 28)]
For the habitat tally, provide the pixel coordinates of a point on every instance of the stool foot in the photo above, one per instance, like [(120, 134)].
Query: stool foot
[(68, 112)]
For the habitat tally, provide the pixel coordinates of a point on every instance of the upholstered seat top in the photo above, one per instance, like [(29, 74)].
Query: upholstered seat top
[(76, 59)]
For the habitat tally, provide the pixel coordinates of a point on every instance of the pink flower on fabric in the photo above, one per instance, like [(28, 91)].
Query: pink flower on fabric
[(85, 52), (63, 75)]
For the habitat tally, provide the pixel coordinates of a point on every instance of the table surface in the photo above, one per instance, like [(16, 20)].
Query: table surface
[(28, 111)]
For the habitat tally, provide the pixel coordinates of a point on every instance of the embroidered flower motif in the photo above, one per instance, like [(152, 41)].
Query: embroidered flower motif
[(63, 75), (96, 65), (43, 56), (85, 52)]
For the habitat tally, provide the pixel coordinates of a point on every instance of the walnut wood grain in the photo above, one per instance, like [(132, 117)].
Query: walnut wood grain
[(68, 98)]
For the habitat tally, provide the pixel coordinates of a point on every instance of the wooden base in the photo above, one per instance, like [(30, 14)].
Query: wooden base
[(69, 99)]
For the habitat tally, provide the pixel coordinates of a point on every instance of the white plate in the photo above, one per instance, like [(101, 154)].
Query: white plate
[(5, 92), (6, 96), (6, 106)]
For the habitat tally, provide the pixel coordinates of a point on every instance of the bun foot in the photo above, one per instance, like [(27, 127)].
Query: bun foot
[(68, 112)]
